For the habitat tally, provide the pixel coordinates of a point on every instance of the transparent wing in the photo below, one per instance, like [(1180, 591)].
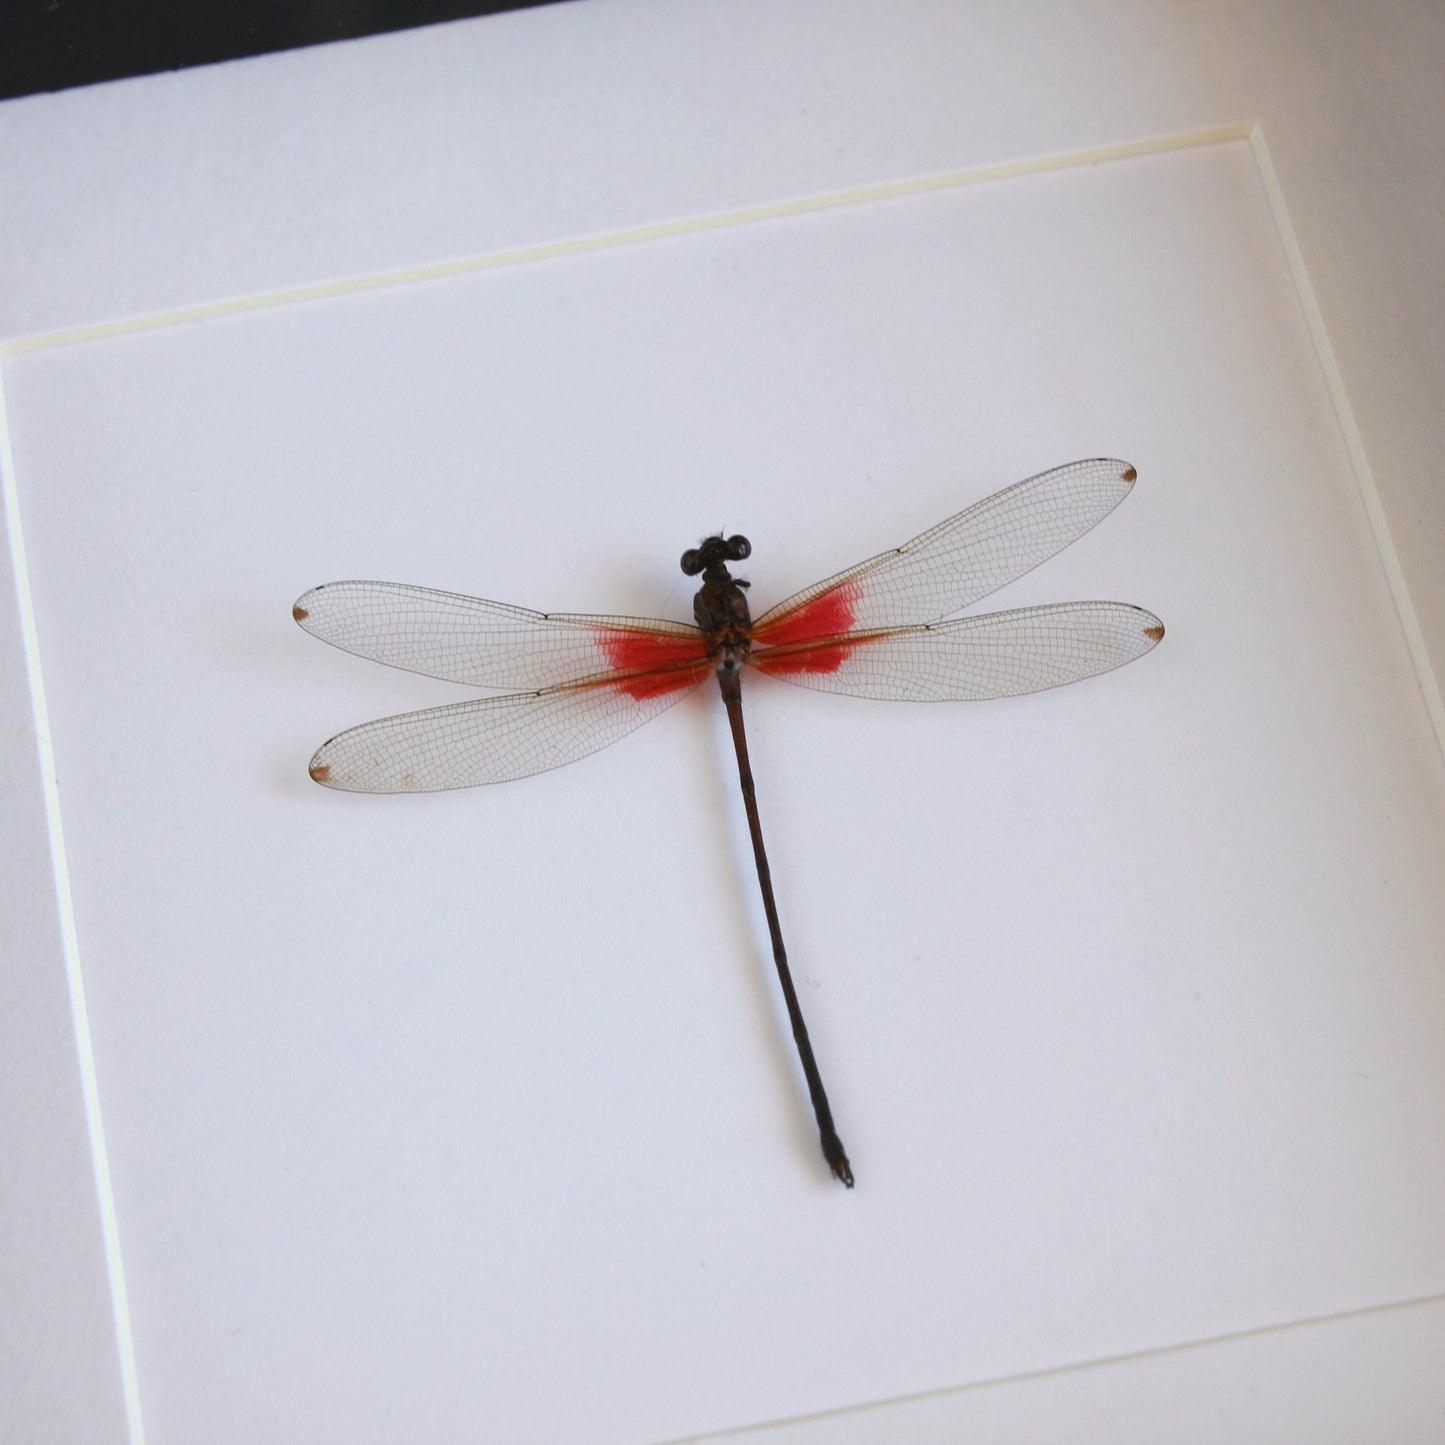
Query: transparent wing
[(999, 654), (494, 739), (486, 644), (955, 563)]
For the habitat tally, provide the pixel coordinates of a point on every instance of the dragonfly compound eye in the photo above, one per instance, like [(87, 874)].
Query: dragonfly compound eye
[(739, 549)]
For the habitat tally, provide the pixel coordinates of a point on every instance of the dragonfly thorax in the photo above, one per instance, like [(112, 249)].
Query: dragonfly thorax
[(720, 608)]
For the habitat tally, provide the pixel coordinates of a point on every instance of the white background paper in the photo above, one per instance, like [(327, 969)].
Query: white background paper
[(569, 120), (1124, 994)]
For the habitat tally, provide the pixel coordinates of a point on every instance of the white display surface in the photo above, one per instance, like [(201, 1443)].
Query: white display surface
[(417, 150), (1127, 995)]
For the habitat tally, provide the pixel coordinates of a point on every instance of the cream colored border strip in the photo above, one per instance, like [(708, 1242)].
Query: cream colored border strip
[(629, 236), (1349, 428), (60, 871)]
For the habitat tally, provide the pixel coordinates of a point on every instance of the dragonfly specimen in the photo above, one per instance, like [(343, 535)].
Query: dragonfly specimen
[(873, 631)]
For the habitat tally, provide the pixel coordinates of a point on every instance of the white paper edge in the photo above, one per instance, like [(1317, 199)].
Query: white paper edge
[(60, 875), (1425, 1315), (1349, 429)]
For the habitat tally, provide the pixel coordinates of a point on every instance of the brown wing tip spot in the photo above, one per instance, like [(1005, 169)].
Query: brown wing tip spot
[(1155, 633), (300, 613), (1128, 475), (320, 772)]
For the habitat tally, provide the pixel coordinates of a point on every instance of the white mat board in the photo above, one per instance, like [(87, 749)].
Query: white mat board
[(1126, 995)]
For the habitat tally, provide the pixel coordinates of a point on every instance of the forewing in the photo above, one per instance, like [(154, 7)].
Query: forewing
[(487, 644), (493, 739), (955, 563), (999, 654)]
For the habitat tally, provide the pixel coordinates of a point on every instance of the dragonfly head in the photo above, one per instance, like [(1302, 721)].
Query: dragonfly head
[(715, 552)]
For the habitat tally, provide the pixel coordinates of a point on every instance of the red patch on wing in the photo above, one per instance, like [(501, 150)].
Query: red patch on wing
[(657, 662), (826, 615), (827, 657)]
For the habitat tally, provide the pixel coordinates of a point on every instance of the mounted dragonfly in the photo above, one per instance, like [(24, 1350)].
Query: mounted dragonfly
[(872, 631)]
